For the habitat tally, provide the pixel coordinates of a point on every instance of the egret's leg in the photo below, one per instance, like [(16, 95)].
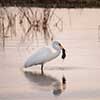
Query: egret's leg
[(42, 69)]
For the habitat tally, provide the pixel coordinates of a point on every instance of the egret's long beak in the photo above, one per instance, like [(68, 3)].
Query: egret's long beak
[(61, 47), (63, 52)]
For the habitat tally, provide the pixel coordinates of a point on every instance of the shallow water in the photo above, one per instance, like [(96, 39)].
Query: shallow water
[(81, 68)]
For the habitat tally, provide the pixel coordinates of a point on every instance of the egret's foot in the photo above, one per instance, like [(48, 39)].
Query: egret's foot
[(42, 72)]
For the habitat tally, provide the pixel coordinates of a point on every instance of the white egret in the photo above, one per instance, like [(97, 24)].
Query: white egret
[(45, 54)]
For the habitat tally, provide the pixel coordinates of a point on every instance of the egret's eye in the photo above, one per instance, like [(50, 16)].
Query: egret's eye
[(59, 44)]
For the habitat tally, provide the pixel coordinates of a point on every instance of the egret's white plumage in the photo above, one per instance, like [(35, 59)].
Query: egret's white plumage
[(41, 57), (44, 55)]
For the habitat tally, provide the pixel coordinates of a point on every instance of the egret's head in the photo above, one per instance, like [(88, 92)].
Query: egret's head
[(56, 45)]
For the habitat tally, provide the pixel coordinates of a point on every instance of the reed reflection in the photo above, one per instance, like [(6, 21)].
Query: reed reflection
[(46, 81)]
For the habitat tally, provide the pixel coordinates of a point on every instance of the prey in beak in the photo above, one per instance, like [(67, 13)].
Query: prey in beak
[(63, 51)]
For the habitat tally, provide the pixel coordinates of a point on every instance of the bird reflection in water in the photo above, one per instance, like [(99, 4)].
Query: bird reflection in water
[(59, 87), (43, 80)]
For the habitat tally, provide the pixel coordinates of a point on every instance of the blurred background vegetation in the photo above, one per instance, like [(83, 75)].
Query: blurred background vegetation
[(33, 22), (52, 3)]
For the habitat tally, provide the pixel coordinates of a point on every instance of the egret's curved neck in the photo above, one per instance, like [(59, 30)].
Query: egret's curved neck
[(57, 52)]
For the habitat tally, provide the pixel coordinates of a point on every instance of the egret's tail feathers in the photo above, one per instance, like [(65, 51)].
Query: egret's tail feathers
[(27, 65)]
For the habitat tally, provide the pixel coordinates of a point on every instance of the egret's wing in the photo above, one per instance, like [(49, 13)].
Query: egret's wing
[(39, 57)]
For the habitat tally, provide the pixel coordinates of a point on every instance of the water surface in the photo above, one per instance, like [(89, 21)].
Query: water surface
[(81, 68)]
